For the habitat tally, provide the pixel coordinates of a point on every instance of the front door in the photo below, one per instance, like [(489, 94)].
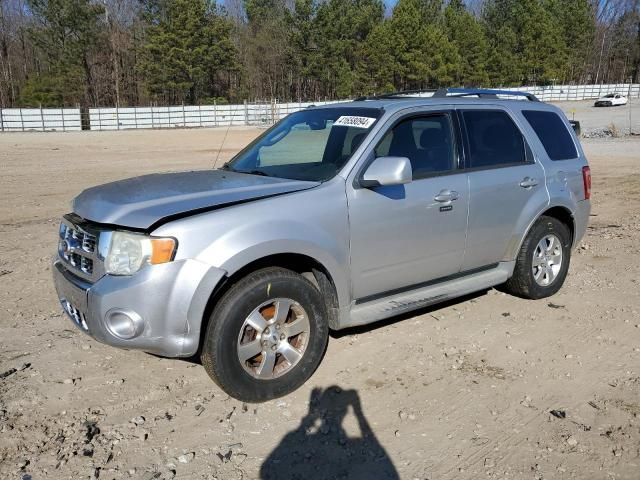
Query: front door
[(406, 235)]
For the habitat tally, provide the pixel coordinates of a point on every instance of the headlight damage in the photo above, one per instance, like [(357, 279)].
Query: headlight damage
[(128, 252)]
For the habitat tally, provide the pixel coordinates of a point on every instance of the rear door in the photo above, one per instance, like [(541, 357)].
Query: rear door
[(563, 165), (504, 179)]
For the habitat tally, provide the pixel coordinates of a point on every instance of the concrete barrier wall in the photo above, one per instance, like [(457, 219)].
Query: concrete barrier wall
[(39, 119), (558, 93), (184, 116), (260, 114)]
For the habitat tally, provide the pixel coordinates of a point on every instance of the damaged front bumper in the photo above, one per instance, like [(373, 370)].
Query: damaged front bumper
[(159, 309)]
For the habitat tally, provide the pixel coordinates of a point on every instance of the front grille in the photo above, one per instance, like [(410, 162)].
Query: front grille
[(78, 248), (75, 314)]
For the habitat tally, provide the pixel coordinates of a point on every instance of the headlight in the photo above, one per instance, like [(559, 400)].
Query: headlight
[(128, 252)]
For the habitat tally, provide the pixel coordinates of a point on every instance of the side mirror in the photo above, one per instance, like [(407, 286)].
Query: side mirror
[(387, 171)]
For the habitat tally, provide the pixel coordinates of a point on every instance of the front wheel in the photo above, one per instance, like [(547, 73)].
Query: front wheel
[(266, 336), (543, 261)]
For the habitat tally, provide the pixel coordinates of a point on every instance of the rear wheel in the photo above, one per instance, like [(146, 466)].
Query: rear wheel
[(266, 336), (543, 261)]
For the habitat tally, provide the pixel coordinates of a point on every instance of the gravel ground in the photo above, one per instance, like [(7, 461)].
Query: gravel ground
[(594, 120), (489, 386)]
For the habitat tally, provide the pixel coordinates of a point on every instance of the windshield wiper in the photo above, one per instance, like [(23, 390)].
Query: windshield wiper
[(227, 167), (253, 172)]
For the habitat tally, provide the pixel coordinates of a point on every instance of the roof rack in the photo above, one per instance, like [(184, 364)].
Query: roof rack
[(483, 92), (454, 92), (392, 95), (406, 93)]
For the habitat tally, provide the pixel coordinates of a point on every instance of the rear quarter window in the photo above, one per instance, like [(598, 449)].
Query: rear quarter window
[(553, 134)]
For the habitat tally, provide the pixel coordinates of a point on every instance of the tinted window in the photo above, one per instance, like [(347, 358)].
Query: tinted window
[(494, 139), (553, 134), (426, 141)]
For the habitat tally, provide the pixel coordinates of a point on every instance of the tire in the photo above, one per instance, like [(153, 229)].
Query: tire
[(523, 283), (234, 327)]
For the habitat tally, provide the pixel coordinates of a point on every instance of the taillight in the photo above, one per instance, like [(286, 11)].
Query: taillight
[(586, 180)]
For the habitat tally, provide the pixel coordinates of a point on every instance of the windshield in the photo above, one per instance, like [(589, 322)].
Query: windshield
[(312, 144)]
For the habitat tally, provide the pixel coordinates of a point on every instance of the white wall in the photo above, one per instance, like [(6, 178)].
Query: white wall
[(192, 116), (51, 119), (36, 119), (580, 92)]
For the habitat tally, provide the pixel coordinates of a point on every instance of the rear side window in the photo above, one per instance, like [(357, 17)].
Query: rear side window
[(494, 140), (553, 134)]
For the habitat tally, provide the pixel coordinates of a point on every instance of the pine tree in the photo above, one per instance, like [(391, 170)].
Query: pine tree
[(422, 54), (342, 27), (526, 41), (542, 48), (266, 48), (576, 21), (504, 66), (468, 36), (187, 47), (303, 38), (68, 33), (377, 68)]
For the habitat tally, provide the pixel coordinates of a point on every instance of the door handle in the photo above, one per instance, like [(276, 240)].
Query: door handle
[(528, 182), (446, 196)]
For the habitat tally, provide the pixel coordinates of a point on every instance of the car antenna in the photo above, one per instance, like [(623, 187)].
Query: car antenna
[(224, 139)]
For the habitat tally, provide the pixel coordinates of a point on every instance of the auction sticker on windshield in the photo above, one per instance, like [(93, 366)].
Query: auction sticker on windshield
[(358, 122)]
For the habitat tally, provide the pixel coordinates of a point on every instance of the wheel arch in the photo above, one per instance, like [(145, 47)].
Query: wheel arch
[(307, 266), (561, 213)]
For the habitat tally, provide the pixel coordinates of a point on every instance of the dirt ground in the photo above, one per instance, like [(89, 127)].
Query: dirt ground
[(463, 390), (623, 118)]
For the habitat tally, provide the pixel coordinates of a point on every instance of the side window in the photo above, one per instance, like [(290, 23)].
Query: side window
[(494, 140), (553, 134), (427, 141)]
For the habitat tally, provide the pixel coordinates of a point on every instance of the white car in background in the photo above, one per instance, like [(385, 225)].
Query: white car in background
[(611, 100)]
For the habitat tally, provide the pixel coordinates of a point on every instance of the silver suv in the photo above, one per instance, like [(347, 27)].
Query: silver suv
[(337, 216)]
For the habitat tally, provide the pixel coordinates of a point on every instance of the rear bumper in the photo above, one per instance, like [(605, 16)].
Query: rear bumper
[(581, 220), (169, 300)]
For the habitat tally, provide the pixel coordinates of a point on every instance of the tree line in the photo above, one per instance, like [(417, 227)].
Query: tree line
[(140, 52)]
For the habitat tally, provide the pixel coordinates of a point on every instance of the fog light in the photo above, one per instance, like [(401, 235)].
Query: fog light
[(124, 324)]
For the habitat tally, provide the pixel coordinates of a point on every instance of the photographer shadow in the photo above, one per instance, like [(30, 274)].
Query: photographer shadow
[(320, 447)]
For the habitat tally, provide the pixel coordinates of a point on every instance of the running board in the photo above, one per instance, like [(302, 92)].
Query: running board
[(393, 305)]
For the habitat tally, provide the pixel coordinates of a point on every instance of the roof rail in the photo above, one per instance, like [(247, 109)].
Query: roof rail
[(482, 92), (452, 92), (391, 95), (407, 93)]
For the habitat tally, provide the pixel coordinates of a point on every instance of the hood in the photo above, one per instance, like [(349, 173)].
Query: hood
[(141, 202)]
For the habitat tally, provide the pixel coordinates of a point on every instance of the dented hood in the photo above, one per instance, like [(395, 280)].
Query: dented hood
[(141, 202)]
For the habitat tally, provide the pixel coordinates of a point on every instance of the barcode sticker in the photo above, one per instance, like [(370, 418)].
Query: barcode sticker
[(358, 122)]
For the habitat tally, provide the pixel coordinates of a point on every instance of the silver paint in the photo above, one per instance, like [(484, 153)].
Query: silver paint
[(386, 171), (369, 240), (141, 201)]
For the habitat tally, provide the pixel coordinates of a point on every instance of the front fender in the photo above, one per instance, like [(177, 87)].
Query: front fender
[(312, 222), (245, 245)]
